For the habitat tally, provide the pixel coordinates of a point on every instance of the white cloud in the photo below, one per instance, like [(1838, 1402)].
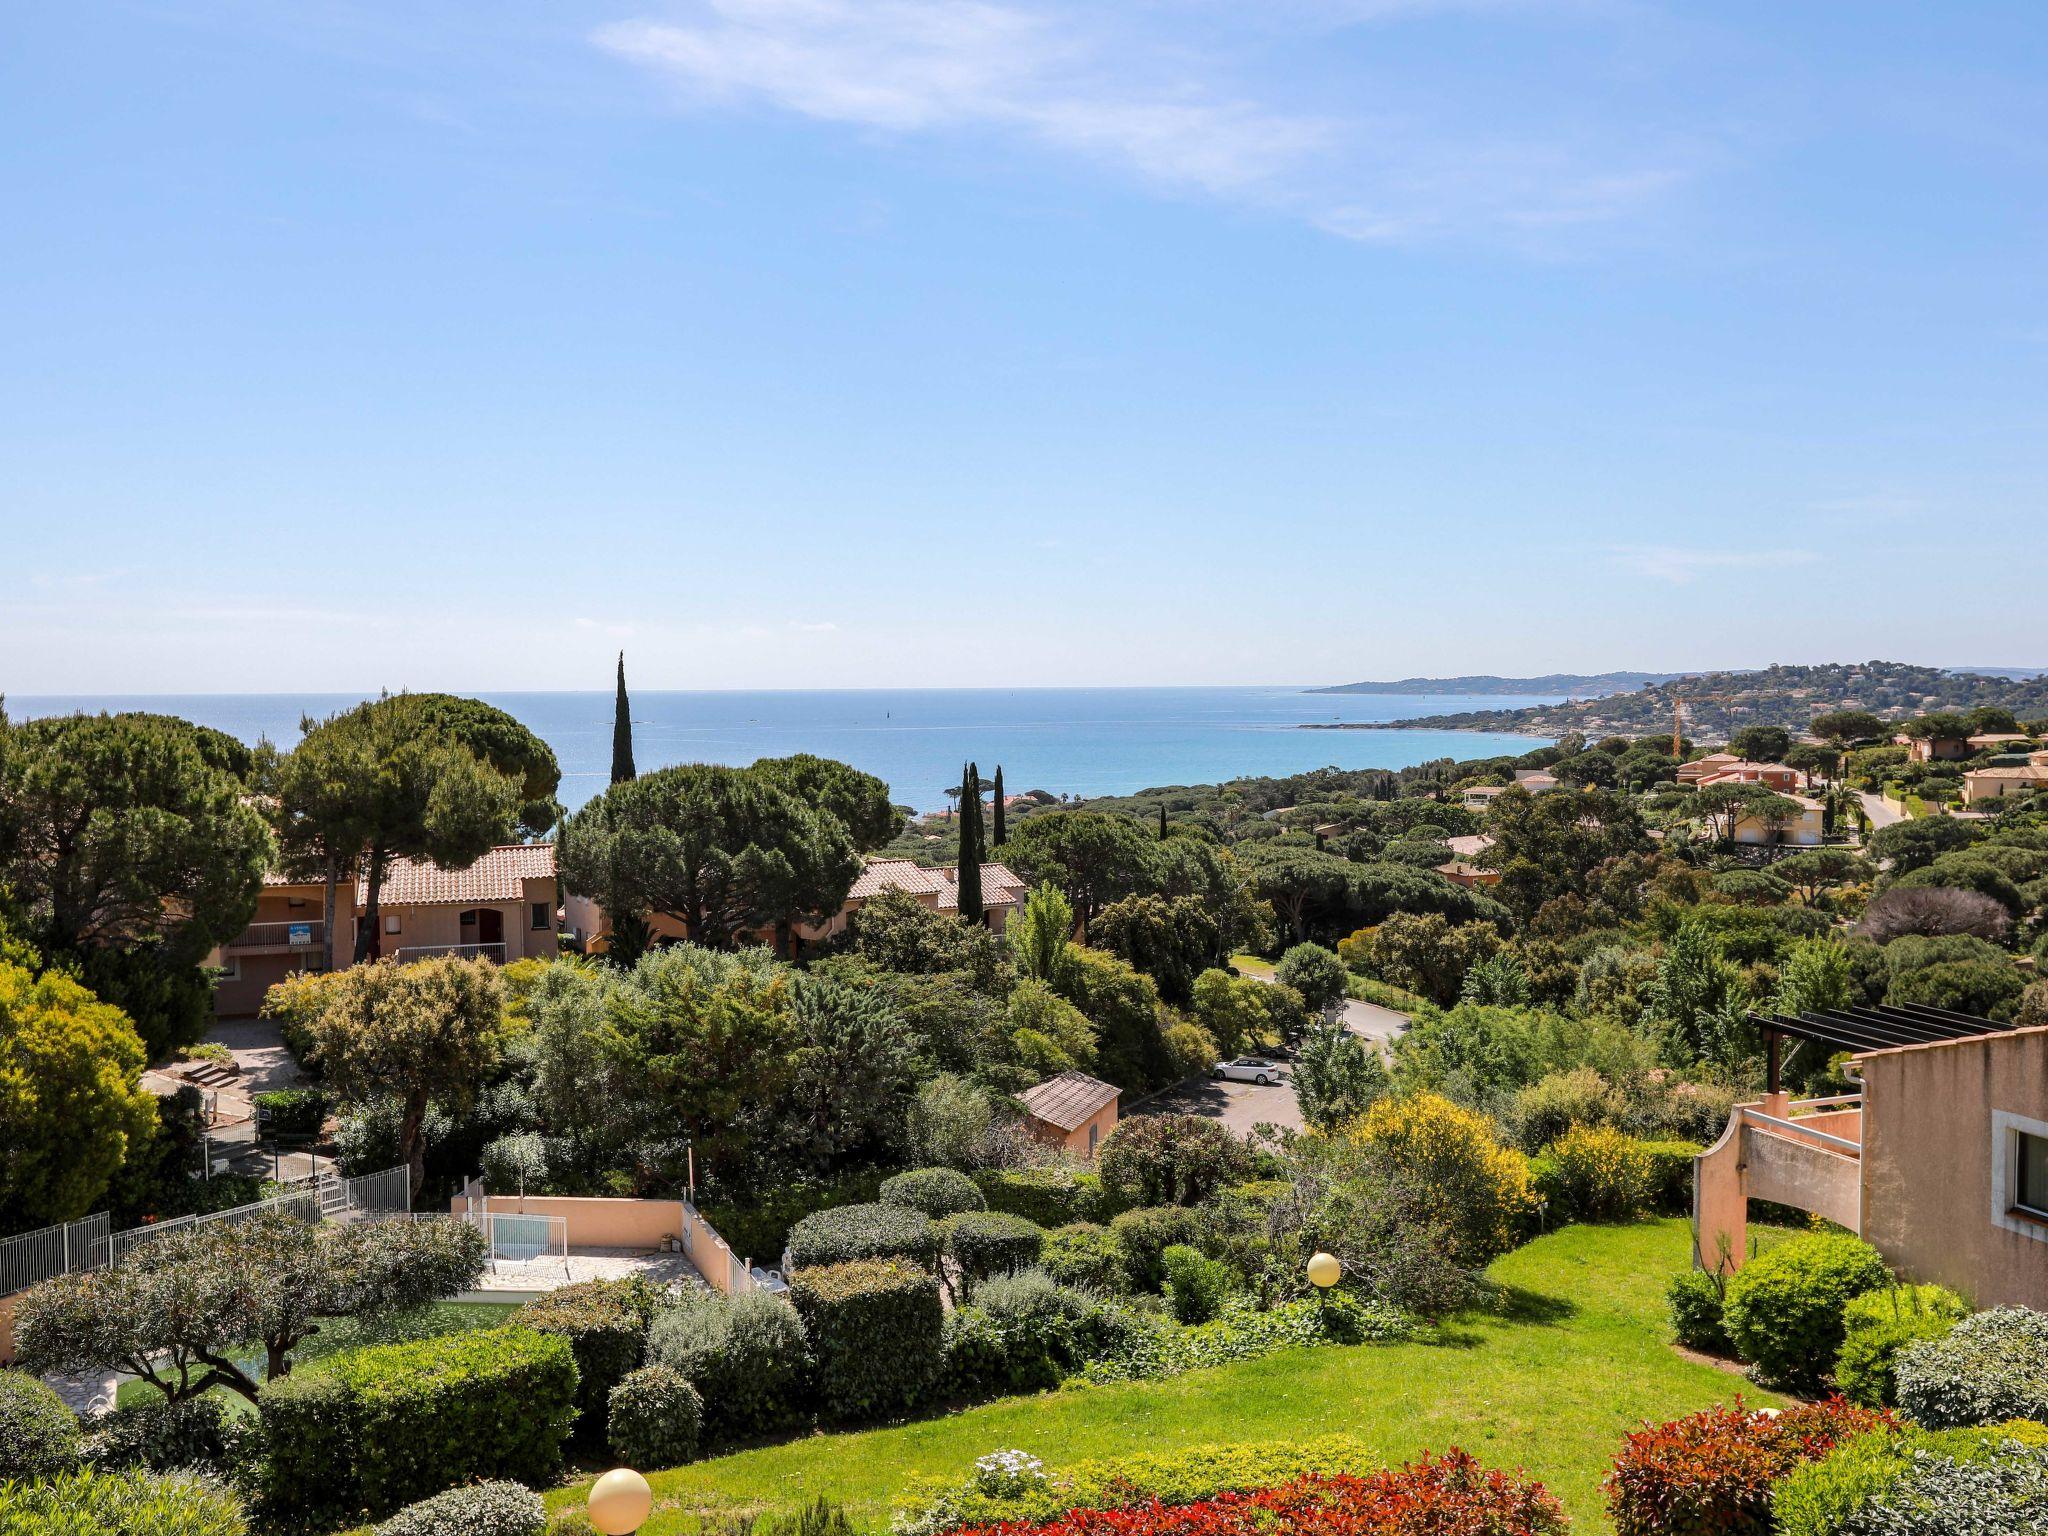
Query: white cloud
[(1663, 562), (1150, 105)]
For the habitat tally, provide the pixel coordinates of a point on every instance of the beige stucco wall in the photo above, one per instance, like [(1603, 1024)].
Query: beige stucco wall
[(1077, 1141), (595, 1223), (1928, 1163)]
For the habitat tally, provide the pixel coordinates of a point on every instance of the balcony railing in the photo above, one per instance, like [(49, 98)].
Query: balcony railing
[(310, 934), (462, 951)]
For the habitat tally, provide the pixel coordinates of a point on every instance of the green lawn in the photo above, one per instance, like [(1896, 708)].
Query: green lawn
[(1579, 1354), (1252, 965)]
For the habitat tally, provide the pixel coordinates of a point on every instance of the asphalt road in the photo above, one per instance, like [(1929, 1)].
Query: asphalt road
[(1240, 1106), (1880, 814)]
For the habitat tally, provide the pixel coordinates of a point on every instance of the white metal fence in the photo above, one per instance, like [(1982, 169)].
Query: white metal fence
[(86, 1244), (714, 1258)]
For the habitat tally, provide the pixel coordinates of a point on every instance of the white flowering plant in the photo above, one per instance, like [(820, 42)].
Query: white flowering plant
[(1003, 1473)]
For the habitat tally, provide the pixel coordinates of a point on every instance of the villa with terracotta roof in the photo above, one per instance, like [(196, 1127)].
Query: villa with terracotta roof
[(502, 907), (1699, 768), (1776, 776), (1981, 784), (1072, 1112)]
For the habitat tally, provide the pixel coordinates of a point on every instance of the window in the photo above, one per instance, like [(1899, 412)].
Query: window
[(1094, 1131), (543, 916), (2030, 1189), (391, 922)]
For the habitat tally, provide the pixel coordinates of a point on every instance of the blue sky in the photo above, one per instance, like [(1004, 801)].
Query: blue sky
[(940, 342)]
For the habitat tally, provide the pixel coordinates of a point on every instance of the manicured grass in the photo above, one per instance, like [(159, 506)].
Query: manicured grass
[(346, 1333), (1578, 1354), (1252, 965)]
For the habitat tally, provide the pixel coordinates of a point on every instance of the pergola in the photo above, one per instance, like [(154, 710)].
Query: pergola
[(1868, 1029)]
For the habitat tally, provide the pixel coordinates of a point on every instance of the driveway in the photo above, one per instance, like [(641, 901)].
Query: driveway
[(1240, 1106), (1880, 814)]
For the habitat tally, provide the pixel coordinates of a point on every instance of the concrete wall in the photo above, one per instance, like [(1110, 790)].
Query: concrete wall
[(594, 1223), (1937, 1136)]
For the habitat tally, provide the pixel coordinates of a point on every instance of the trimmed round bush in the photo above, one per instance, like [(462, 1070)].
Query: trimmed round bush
[(1168, 1159), (1878, 1324), (158, 1435), (847, 1234), (605, 1322), (985, 1243), (746, 1356), (937, 1192), (1988, 1368), (1142, 1236), (877, 1332), (1082, 1253), (1695, 1300), (486, 1509), (1196, 1286), (39, 1436), (1784, 1308), (1052, 1196), (656, 1418)]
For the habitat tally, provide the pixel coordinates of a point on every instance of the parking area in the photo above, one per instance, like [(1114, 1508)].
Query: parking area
[(1240, 1106)]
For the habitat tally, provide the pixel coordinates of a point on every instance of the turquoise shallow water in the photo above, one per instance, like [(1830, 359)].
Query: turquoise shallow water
[(1081, 741)]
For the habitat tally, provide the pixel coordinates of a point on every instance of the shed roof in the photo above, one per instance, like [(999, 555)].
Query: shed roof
[(1070, 1100)]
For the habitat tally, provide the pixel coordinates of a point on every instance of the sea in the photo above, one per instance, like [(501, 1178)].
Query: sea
[(1075, 741)]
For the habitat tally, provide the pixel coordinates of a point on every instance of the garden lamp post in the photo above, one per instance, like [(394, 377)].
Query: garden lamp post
[(620, 1502), (1323, 1272)]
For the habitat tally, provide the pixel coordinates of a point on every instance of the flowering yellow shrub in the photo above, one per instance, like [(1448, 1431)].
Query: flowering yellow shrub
[(1455, 1163), (1597, 1174)]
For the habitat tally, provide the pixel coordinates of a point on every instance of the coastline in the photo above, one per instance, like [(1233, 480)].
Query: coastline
[(1536, 732)]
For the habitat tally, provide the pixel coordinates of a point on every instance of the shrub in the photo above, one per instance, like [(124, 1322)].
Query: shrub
[(1711, 1473), (1597, 1174), (157, 1435), (746, 1356), (1878, 1324), (376, 1429), (1432, 1495), (932, 1505), (1451, 1157), (39, 1435), (605, 1322), (1696, 1300), (1052, 1196), (1990, 1367), (1082, 1253), (984, 1243), (1196, 1286), (1126, 1345), (487, 1509), (1168, 1159), (1142, 1236), (877, 1331), (1547, 1108), (1037, 1324), (937, 1192), (1317, 974), (92, 1503), (847, 1233), (1671, 1174), (655, 1418), (293, 1111), (1917, 1482), (1784, 1307)]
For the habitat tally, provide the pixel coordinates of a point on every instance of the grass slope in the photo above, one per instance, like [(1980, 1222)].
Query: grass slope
[(1579, 1354)]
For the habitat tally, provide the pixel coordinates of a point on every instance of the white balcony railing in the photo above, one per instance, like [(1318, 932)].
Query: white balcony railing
[(462, 951)]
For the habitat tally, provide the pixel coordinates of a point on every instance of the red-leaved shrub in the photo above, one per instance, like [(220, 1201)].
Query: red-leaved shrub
[(1448, 1495), (1710, 1473)]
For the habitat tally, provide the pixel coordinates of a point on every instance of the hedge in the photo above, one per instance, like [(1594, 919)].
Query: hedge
[(1880, 1323), (1593, 1173), (39, 1435), (91, 1503), (848, 1233), (1990, 1367), (1142, 1236), (158, 1435), (1052, 1196), (605, 1322), (937, 1192), (746, 1356), (293, 1111), (655, 1418), (488, 1509), (985, 1243), (877, 1332), (1671, 1174), (1082, 1253), (1784, 1307), (376, 1429)]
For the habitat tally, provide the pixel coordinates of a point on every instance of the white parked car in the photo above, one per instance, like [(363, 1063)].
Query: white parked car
[(1248, 1069)]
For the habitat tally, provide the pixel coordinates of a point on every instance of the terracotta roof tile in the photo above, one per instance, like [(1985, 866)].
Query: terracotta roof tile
[(999, 887), (500, 875), (1070, 1100)]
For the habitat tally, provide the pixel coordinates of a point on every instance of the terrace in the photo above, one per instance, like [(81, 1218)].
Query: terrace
[(540, 1243)]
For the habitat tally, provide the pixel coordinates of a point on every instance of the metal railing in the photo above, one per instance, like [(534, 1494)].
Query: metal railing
[(86, 1244), (463, 951), (293, 935)]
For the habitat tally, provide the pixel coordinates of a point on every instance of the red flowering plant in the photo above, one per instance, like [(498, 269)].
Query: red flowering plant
[(1448, 1495), (1711, 1473)]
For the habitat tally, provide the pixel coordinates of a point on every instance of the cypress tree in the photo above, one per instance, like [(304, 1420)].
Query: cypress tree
[(622, 730), (969, 883), (1000, 834), (1162, 822)]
